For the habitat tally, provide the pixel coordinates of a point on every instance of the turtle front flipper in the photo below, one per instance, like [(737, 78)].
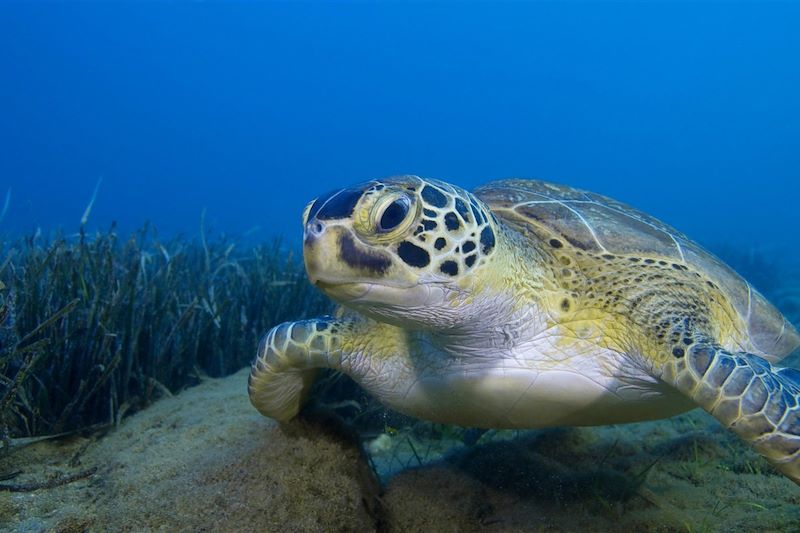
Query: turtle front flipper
[(758, 402), (290, 354), (285, 366)]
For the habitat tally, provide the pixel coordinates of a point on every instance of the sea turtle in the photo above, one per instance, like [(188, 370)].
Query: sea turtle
[(528, 304)]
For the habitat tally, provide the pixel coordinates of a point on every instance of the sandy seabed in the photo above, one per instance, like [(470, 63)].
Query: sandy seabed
[(204, 460)]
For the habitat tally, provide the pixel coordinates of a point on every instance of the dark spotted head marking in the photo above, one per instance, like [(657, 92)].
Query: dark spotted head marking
[(477, 212), (360, 259), (451, 221), (461, 207), (429, 225), (434, 196), (413, 255), (487, 240), (335, 204), (449, 267)]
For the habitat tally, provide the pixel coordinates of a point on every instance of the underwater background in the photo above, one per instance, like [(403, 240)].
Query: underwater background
[(686, 110), (155, 159)]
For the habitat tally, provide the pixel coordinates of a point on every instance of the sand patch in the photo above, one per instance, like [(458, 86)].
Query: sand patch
[(203, 460)]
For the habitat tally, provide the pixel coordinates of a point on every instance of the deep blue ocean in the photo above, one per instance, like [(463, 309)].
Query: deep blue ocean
[(247, 111)]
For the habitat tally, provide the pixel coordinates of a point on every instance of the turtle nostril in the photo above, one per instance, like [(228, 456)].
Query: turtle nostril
[(315, 228)]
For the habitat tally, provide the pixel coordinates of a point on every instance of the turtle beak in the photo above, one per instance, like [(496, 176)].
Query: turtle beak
[(324, 221), (322, 252), (332, 255)]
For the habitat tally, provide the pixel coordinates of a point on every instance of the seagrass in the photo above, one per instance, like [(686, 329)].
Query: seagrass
[(93, 327)]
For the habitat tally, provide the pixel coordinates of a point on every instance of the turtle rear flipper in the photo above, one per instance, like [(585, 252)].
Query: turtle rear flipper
[(752, 398)]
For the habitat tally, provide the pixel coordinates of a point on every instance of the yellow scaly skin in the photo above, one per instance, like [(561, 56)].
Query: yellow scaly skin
[(449, 325), (290, 354)]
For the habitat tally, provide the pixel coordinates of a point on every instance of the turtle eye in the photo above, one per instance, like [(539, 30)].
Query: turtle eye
[(393, 215)]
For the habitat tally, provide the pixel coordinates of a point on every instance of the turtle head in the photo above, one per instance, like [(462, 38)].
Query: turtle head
[(398, 249)]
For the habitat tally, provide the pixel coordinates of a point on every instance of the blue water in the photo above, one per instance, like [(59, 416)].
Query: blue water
[(690, 112)]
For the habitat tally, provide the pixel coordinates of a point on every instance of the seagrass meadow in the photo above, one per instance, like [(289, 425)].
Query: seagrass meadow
[(97, 326)]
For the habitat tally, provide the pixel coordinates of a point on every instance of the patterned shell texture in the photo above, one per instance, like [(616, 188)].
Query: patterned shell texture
[(598, 224)]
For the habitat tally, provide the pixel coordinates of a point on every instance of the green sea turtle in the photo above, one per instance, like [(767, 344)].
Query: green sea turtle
[(527, 304)]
